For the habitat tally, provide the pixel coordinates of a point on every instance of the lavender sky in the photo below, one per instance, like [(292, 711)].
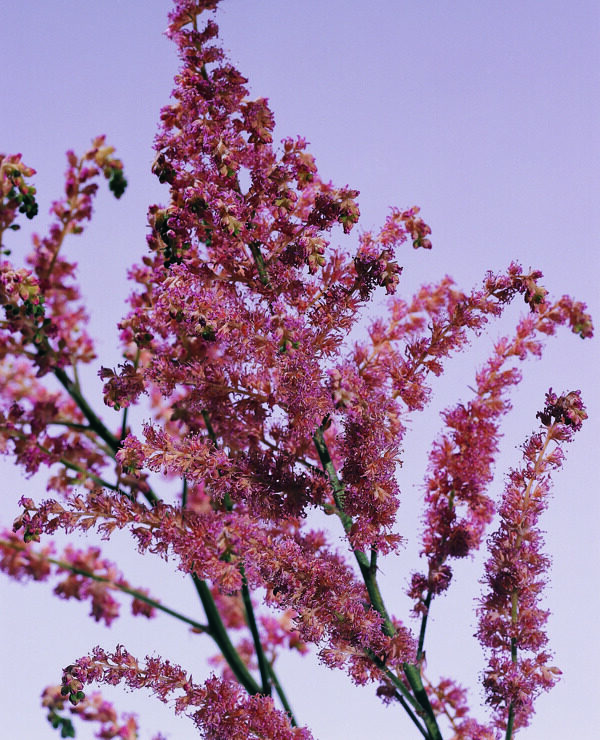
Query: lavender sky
[(483, 113)]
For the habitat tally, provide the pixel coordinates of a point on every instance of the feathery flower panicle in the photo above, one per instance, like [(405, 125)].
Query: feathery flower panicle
[(91, 708), (461, 461), (41, 303), (238, 332), (449, 700), (299, 571), (85, 575), (511, 620), (218, 708)]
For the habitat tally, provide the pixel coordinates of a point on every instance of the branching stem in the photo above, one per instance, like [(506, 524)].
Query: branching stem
[(64, 565), (368, 569)]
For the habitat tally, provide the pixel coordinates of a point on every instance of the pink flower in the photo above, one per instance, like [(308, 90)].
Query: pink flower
[(511, 621)]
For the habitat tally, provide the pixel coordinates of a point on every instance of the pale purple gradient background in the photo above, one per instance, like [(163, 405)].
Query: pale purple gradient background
[(483, 113)]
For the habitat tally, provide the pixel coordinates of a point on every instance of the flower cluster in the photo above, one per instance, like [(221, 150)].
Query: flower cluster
[(458, 507), (15, 193), (266, 415), (450, 700), (86, 576), (511, 620), (41, 303), (91, 708), (218, 708)]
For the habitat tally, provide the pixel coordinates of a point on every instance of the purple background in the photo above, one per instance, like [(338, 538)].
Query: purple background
[(483, 113)]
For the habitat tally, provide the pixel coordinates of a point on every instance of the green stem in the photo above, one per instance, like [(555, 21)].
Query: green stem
[(87, 410), (514, 597), (337, 487), (397, 682), (412, 715), (184, 494), (209, 427), (95, 424), (124, 424), (413, 676), (369, 573), (263, 664), (260, 263), (368, 568), (63, 565), (429, 597), (427, 604), (220, 636), (510, 722)]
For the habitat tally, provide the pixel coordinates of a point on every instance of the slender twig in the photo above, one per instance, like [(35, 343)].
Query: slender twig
[(260, 263), (263, 664), (209, 427), (413, 676), (411, 714), (430, 594), (511, 721), (397, 682), (94, 422), (64, 565), (513, 656), (427, 604), (184, 494), (337, 486), (124, 424)]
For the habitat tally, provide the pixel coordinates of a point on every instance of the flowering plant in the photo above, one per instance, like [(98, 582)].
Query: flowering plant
[(266, 412)]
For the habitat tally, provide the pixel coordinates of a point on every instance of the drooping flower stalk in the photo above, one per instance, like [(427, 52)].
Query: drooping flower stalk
[(218, 708)]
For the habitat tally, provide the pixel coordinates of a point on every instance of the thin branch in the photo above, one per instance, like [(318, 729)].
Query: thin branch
[(412, 715), (511, 721), (64, 565), (423, 629), (263, 664), (397, 682), (216, 628), (260, 263), (413, 675), (94, 421), (369, 573), (184, 494)]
